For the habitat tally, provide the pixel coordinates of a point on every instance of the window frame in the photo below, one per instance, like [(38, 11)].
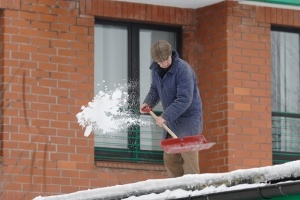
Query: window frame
[(280, 157), (130, 154)]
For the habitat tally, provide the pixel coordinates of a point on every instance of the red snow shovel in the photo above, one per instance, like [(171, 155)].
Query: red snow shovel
[(180, 145)]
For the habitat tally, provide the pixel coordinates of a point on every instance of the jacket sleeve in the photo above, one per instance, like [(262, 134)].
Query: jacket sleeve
[(184, 96)]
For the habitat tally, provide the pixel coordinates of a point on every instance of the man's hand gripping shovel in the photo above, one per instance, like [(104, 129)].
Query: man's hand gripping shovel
[(180, 145)]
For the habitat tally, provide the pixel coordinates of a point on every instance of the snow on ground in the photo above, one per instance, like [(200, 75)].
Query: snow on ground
[(188, 185)]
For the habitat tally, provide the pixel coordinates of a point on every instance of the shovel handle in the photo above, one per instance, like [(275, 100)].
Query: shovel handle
[(164, 125)]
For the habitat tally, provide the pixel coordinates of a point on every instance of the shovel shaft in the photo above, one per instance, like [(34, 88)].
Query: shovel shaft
[(164, 125)]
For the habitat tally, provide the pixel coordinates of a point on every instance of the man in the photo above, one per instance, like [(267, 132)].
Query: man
[(174, 84)]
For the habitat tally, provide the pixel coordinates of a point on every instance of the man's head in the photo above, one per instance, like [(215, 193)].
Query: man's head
[(161, 53)]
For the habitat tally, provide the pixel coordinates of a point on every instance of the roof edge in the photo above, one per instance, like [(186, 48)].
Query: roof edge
[(264, 192)]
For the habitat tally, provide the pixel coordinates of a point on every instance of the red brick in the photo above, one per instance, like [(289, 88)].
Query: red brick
[(70, 189), (40, 8), (94, 9), (290, 17), (296, 18), (19, 39), (60, 27), (268, 15), (47, 18), (66, 165), (172, 15), (106, 8), (47, 34)]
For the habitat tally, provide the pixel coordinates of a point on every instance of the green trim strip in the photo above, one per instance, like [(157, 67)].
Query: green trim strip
[(282, 2), (289, 197)]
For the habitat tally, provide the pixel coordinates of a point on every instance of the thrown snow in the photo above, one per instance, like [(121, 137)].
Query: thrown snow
[(107, 112), (188, 185)]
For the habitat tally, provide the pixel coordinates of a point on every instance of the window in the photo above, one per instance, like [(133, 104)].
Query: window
[(285, 94), (122, 55)]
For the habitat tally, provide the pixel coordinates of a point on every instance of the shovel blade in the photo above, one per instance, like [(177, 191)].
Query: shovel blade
[(189, 143)]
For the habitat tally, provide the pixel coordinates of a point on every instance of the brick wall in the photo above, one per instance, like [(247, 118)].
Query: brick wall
[(47, 75), (249, 89), (47, 70), (212, 63), (235, 72), (235, 80)]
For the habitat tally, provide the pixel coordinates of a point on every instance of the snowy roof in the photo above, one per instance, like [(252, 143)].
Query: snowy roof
[(191, 185)]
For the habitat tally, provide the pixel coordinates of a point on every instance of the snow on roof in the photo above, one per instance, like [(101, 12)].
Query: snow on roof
[(188, 185)]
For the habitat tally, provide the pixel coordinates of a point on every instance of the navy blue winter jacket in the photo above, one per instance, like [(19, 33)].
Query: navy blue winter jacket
[(179, 96)]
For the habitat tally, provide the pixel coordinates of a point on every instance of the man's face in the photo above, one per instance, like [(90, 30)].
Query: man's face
[(166, 63)]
